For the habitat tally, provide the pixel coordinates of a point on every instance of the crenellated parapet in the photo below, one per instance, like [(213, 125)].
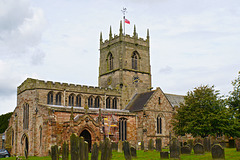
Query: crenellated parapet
[(128, 39), (31, 84)]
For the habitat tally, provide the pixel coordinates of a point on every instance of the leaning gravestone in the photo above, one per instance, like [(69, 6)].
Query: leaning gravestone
[(94, 155), (198, 148), (126, 150), (142, 145), (158, 144), (65, 151), (106, 150), (133, 152), (174, 148), (237, 144), (218, 152), (207, 144), (120, 146), (164, 155), (185, 150), (151, 145)]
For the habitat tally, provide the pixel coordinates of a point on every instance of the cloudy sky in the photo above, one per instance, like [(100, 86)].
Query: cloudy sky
[(193, 42)]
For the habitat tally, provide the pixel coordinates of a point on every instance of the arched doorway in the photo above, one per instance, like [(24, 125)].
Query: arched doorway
[(87, 137), (25, 144)]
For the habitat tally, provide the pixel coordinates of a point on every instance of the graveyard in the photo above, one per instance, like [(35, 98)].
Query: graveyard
[(197, 149)]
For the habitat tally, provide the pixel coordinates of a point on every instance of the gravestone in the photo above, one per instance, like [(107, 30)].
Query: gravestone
[(185, 150), (85, 153), (190, 143), (198, 148), (120, 146), (106, 150), (158, 144), (74, 147), (65, 151), (151, 145), (126, 150), (114, 146), (174, 148), (218, 152), (142, 145), (222, 143), (231, 143), (54, 153), (207, 144), (81, 150), (164, 155), (237, 144), (133, 152), (94, 155)]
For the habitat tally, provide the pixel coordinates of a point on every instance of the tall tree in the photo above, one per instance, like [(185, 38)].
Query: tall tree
[(202, 113), (4, 121), (233, 102)]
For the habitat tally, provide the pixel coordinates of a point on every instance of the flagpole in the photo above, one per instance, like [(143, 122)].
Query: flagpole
[(124, 10)]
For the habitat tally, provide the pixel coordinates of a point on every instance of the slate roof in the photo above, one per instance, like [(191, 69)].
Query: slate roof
[(138, 101), (174, 99)]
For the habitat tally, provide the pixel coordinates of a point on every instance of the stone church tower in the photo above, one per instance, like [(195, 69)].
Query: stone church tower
[(125, 64)]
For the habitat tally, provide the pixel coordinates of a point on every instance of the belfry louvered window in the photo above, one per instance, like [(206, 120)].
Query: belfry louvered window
[(25, 116)]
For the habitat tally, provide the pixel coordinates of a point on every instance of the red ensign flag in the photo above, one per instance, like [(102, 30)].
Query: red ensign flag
[(127, 21)]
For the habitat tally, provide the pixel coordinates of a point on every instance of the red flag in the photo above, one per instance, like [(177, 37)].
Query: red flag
[(127, 21)]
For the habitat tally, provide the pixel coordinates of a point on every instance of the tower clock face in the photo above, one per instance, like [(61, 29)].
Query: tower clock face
[(109, 80), (135, 79)]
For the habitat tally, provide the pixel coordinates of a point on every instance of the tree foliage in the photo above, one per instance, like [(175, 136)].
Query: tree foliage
[(233, 103), (203, 113), (4, 121)]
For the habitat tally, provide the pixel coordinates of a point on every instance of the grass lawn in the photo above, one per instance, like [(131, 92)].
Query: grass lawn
[(230, 154)]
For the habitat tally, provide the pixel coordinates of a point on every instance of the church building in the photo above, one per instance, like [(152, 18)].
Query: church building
[(124, 106)]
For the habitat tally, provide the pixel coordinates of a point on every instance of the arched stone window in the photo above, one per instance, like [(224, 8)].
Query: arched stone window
[(114, 103), (50, 98), (159, 125), (97, 102), (78, 101), (122, 129), (110, 61), (135, 60), (25, 116), (71, 100), (108, 102), (58, 98), (90, 102)]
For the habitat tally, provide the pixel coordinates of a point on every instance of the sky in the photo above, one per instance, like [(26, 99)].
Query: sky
[(192, 42)]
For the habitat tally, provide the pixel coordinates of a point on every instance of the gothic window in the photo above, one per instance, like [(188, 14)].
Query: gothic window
[(50, 98), (134, 60), (159, 125), (58, 99), (90, 102), (110, 61), (114, 103), (122, 129), (108, 102), (159, 100), (97, 102), (25, 116), (78, 101), (71, 100), (40, 135)]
